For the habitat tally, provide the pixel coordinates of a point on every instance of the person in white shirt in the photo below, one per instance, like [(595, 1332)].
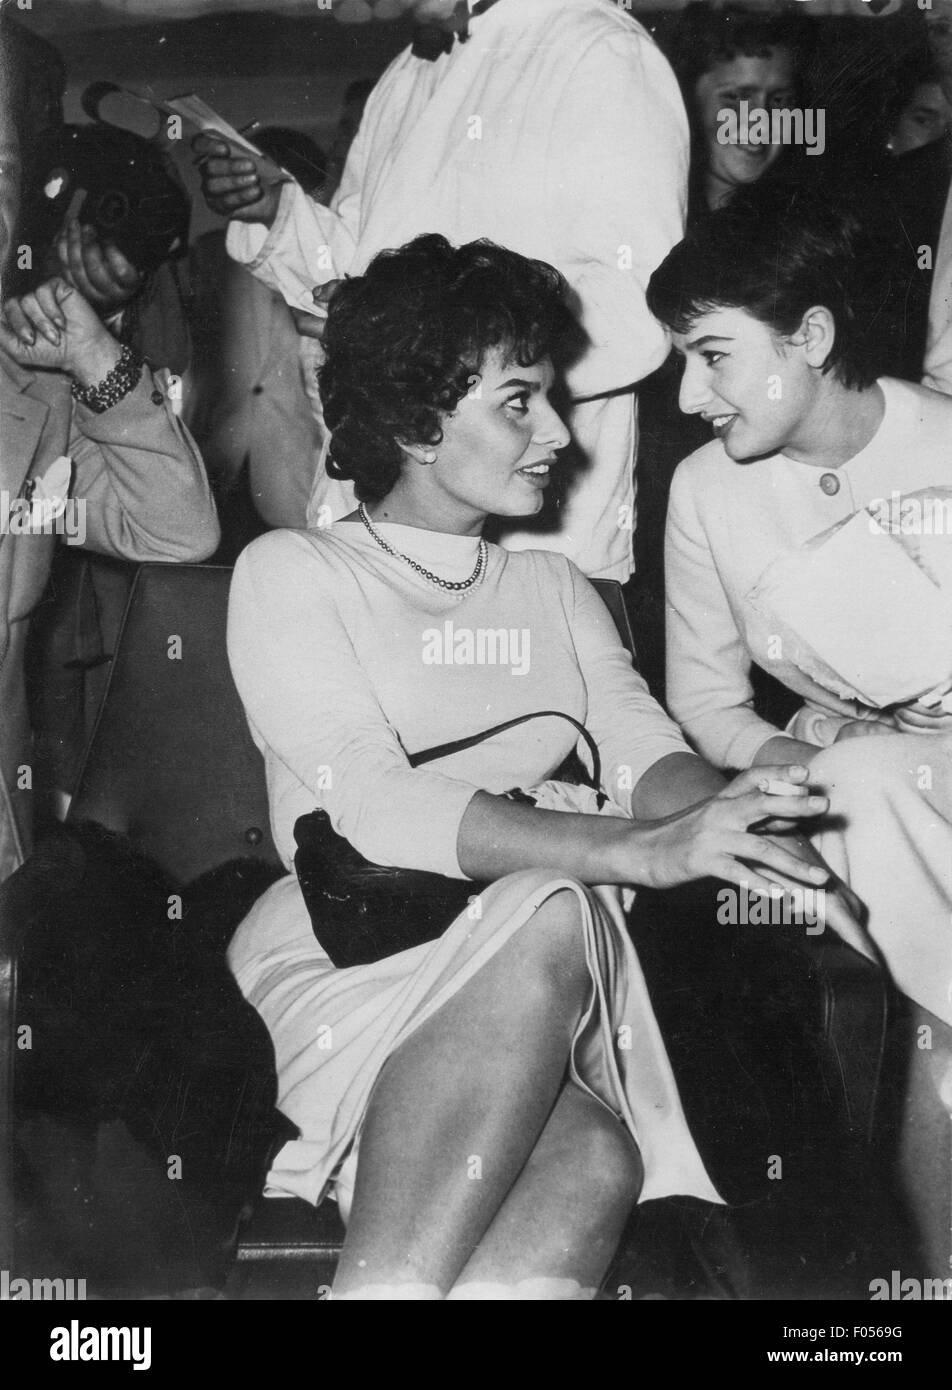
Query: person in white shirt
[(775, 308), (937, 368), (556, 129)]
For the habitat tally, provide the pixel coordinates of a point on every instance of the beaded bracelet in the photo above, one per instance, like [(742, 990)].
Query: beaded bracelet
[(115, 385)]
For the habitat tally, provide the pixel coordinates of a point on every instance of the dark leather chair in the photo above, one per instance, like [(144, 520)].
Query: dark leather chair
[(171, 765)]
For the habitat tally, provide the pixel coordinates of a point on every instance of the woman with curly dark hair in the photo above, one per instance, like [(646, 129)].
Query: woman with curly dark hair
[(486, 1106)]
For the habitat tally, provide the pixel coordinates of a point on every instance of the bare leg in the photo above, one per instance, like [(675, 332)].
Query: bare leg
[(558, 1229), (458, 1109)]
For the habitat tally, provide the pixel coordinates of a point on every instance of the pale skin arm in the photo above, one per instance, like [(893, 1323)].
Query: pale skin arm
[(691, 824), (781, 748)]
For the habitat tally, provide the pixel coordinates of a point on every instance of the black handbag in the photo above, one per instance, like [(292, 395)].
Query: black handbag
[(363, 912)]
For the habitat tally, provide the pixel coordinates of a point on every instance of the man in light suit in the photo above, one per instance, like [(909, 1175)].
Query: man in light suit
[(133, 476)]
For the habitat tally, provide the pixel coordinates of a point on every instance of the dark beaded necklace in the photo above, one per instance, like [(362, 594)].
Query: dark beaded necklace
[(446, 584)]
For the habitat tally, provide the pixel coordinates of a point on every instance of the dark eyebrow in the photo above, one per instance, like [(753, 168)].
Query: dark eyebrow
[(709, 338), (518, 381)]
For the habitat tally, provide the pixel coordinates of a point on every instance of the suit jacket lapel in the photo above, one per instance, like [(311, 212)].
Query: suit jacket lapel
[(23, 421)]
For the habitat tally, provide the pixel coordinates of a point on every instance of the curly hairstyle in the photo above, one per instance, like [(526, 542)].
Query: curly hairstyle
[(404, 341), (776, 250)]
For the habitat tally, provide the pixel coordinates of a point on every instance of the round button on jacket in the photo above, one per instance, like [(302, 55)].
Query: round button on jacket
[(830, 484), (157, 398)]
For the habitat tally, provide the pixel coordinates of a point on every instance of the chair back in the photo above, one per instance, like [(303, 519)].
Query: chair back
[(171, 763)]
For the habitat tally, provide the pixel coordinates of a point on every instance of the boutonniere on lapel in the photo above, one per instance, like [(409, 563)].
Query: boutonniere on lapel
[(44, 507)]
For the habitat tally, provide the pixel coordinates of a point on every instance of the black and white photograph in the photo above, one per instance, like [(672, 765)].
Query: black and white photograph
[(476, 662)]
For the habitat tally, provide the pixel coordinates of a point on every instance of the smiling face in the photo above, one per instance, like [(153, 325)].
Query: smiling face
[(759, 392), (496, 456), (767, 83)]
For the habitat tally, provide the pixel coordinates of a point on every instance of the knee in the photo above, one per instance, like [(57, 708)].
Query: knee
[(862, 773), (552, 944), (847, 772), (599, 1156), (612, 1159)]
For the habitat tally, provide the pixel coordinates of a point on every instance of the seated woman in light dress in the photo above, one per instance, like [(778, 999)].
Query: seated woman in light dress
[(486, 1107), (812, 537)]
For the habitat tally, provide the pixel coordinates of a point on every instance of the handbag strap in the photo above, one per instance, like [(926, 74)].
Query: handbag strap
[(443, 750)]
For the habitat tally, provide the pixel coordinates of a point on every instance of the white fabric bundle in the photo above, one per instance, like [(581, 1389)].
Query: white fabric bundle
[(865, 607)]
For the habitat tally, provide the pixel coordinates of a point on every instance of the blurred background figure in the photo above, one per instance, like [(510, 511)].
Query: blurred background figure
[(910, 188), (721, 58), (352, 110), (104, 209), (937, 366), (253, 398), (83, 418), (924, 113)]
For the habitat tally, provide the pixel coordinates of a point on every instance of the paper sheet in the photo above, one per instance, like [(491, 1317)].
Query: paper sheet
[(202, 117), (859, 608)]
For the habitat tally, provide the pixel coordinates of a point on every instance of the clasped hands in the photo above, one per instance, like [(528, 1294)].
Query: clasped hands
[(54, 328), (730, 836)]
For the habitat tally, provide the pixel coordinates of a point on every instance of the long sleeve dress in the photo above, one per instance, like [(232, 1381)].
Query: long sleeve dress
[(347, 660), (890, 829)]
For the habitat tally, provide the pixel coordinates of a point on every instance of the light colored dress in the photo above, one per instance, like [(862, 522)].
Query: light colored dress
[(890, 831), (346, 660)]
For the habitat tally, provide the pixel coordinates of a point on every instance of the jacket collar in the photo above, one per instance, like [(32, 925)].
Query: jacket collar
[(19, 377), (24, 419)]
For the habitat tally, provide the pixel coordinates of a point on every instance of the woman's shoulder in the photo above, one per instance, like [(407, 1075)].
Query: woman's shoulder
[(293, 549), (546, 568), (288, 569), (704, 479), (706, 467), (927, 406)]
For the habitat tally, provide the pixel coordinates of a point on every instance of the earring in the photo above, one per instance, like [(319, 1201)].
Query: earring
[(429, 456)]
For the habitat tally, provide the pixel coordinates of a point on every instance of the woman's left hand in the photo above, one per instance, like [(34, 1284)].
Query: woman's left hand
[(842, 909), (920, 719)]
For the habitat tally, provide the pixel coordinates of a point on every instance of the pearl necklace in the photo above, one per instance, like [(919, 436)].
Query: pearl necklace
[(446, 584)]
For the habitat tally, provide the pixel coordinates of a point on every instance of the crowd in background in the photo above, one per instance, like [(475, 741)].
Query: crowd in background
[(248, 367), (214, 341)]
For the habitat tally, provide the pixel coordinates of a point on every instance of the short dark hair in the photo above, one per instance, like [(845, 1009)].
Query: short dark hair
[(704, 37), (404, 340), (775, 250)]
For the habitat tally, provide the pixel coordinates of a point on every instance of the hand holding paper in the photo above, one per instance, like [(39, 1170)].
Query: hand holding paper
[(238, 180)]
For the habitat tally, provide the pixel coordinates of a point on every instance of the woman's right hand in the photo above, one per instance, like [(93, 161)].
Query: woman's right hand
[(724, 837), (232, 184)]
